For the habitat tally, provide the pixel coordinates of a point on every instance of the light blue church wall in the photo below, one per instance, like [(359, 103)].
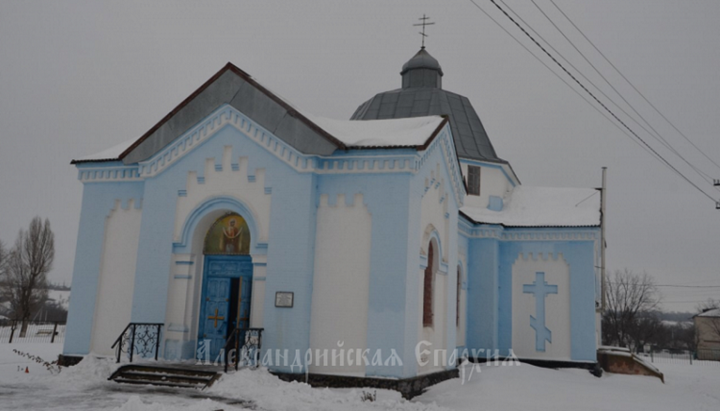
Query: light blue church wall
[(97, 201), (290, 252), (449, 247), (579, 256), (490, 288), (482, 294), (387, 201), (394, 202), (290, 263)]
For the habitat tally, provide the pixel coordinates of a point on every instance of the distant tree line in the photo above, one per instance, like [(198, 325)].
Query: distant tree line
[(632, 317), (23, 275)]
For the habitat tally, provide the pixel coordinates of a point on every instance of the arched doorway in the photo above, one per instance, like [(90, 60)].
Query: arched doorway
[(227, 284)]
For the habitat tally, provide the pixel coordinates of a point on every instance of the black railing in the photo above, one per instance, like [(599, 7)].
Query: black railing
[(140, 338), (243, 346)]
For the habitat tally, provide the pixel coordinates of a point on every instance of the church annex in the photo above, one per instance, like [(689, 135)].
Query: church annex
[(397, 237)]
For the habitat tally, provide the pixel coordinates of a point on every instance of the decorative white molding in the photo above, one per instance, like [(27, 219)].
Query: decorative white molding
[(113, 173), (228, 115)]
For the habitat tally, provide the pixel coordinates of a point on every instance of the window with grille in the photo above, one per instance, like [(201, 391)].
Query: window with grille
[(473, 181)]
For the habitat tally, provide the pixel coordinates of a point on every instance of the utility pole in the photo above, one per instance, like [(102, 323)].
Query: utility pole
[(603, 218)]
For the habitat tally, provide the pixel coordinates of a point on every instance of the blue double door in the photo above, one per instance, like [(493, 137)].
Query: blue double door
[(225, 304)]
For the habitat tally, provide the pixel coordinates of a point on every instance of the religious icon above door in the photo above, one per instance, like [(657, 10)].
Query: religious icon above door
[(228, 235)]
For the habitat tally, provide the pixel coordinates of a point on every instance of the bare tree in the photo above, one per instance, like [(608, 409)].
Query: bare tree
[(629, 296), (3, 264), (3, 256), (26, 269)]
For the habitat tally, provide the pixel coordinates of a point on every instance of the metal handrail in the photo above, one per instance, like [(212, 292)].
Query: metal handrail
[(123, 338), (234, 337)]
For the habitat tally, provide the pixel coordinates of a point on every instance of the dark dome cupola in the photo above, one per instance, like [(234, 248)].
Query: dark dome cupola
[(423, 70), (421, 94)]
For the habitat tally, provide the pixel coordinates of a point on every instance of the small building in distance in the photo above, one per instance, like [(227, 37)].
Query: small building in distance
[(707, 333)]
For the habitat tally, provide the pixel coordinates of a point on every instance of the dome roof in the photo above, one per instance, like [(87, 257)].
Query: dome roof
[(422, 95), (422, 60)]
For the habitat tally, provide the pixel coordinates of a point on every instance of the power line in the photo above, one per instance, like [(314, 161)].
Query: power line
[(590, 93), (633, 86), (657, 136), (665, 143), (687, 286), (563, 80), (674, 285), (682, 302)]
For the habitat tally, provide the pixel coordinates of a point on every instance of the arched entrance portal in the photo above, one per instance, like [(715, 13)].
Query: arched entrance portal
[(227, 283)]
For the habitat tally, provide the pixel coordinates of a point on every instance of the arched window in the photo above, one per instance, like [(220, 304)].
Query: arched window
[(457, 300), (428, 289)]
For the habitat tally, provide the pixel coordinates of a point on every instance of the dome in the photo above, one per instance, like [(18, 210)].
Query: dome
[(422, 70), (422, 60), (421, 94)]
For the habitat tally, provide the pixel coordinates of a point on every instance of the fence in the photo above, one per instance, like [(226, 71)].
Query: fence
[(700, 357), (36, 332)]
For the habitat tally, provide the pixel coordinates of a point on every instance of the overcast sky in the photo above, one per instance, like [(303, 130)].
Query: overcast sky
[(77, 77)]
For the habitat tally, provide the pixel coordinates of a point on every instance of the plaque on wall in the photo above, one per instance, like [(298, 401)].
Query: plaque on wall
[(284, 299)]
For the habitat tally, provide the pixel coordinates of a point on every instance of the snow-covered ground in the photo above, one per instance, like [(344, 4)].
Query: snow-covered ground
[(490, 387)]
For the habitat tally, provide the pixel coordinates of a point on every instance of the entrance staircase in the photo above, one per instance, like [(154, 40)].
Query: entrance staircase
[(165, 376)]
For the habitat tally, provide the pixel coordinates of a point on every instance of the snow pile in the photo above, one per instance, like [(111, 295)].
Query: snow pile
[(486, 387), (526, 387), (137, 404), (90, 370), (269, 392), (543, 207)]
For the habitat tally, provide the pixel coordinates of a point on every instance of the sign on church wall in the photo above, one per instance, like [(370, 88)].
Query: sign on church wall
[(228, 235)]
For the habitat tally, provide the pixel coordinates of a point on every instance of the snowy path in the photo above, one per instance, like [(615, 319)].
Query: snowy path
[(84, 387)]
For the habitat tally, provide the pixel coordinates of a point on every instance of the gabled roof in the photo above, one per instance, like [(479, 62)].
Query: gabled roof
[(232, 86), (308, 134)]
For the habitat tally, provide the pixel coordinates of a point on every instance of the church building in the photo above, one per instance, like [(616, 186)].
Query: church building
[(378, 244)]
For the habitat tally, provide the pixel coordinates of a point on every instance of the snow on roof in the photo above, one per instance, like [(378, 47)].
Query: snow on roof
[(405, 132), (400, 132), (111, 153), (543, 207), (715, 312)]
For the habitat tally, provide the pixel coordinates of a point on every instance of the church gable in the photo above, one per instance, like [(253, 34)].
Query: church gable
[(231, 86)]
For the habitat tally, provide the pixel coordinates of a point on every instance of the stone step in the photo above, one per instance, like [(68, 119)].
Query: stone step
[(134, 375), (168, 376), (154, 382)]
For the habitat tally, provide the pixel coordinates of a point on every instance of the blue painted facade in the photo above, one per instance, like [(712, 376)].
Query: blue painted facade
[(492, 252), (393, 183)]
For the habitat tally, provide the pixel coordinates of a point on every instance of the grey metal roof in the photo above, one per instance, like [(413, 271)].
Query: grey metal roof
[(421, 95), (235, 87)]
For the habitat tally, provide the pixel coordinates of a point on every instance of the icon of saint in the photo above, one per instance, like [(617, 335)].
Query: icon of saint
[(230, 240)]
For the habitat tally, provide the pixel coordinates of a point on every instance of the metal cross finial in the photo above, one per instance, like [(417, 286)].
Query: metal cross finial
[(424, 23)]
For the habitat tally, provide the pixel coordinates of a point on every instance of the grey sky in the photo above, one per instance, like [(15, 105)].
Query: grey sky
[(77, 77)]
